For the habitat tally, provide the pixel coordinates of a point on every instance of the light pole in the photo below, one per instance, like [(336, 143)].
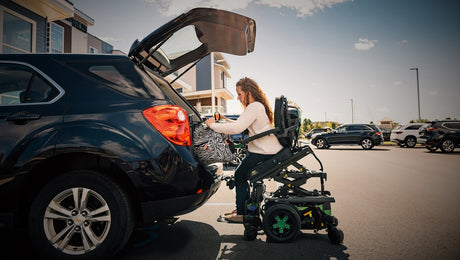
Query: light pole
[(352, 114), (418, 96)]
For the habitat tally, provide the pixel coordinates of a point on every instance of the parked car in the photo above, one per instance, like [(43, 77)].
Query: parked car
[(366, 135), (406, 135), (93, 145), (310, 133), (441, 134)]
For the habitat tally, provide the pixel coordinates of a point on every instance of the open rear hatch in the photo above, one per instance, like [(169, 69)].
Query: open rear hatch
[(191, 36)]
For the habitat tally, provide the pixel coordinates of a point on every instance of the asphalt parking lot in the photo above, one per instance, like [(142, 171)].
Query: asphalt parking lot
[(391, 202)]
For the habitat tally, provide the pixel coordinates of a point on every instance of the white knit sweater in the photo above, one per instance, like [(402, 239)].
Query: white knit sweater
[(256, 121)]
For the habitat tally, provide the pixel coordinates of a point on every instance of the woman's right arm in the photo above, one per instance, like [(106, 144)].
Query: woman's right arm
[(248, 116)]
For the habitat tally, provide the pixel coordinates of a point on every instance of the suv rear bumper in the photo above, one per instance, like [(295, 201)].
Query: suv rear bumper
[(156, 210)]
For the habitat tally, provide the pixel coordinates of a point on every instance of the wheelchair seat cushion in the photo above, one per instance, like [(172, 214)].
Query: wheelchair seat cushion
[(262, 169)]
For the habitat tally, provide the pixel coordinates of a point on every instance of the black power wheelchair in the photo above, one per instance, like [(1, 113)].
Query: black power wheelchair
[(284, 212)]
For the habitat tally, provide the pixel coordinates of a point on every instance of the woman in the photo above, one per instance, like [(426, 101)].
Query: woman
[(257, 118)]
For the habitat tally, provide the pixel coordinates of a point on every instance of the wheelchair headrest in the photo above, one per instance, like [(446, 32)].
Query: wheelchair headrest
[(287, 121)]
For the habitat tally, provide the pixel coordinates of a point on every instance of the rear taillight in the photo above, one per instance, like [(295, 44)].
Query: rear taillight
[(171, 121), (432, 129), (378, 133), (398, 132)]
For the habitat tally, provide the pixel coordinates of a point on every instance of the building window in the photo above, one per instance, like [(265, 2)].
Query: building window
[(224, 80), (93, 50), (56, 38), (16, 33)]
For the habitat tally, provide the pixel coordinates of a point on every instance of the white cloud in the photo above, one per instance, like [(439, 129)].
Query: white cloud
[(111, 39), (397, 83), (301, 7), (433, 93), (403, 42), (365, 44), (175, 7)]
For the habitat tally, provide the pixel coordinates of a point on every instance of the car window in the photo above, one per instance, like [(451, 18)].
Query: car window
[(183, 41), (361, 128), (341, 129), (413, 127), (452, 125), (123, 76), (21, 84)]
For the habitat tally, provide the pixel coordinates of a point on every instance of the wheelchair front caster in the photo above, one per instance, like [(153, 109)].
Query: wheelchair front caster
[(335, 235), (250, 233)]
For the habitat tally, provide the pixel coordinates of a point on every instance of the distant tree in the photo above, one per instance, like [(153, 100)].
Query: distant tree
[(333, 125), (307, 125), (419, 121)]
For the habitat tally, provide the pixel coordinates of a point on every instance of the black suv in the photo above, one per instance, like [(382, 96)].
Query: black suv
[(93, 145), (314, 131), (441, 134), (366, 135)]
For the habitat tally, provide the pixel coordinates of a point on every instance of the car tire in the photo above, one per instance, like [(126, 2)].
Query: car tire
[(410, 141), (367, 144), (321, 143), (447, 146), (80, 215)]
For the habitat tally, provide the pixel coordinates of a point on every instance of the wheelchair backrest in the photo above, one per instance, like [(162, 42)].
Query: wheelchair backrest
[(287, 121), (287, 124)]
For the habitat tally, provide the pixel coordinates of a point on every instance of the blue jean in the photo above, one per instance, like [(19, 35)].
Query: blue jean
[(241, 178)]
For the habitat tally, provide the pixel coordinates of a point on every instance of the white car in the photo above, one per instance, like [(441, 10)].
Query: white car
[(406, 135)]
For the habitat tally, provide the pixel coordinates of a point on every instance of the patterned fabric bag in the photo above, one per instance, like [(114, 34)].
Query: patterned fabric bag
[(210, 146)]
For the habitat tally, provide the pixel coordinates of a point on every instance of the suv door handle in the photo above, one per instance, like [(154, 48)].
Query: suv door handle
[(22, 117)]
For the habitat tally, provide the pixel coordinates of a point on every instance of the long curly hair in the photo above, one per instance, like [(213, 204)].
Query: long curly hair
[(248, 85)]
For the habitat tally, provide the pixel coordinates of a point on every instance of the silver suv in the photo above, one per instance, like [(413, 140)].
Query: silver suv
[(406, 135)]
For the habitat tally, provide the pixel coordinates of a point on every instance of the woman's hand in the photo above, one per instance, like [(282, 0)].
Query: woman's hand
[(210, 121)]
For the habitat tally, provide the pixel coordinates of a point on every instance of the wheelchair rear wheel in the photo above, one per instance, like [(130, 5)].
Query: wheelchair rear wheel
[(281, 223)]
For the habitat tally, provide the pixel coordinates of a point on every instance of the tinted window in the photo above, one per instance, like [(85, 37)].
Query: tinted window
[(413, 127), (453, 125), (342, 129), (122, 76), (21, 84), (361, 128)]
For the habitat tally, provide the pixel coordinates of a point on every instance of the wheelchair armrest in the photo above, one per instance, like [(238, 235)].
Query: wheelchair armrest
[(257, 136)]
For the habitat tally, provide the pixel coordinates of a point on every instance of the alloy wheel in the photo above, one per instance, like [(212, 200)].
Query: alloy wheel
[(77, 220), (411, 141), (447, 146), (366, 143), (321, 143)]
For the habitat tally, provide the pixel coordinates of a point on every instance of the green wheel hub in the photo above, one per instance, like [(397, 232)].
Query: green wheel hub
[(281, 224)]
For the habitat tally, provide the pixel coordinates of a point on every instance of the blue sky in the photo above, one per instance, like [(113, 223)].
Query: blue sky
[(321, 54)]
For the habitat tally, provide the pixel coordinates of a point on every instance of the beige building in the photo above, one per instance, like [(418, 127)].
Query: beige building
[(52, 26), (205, 85)]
